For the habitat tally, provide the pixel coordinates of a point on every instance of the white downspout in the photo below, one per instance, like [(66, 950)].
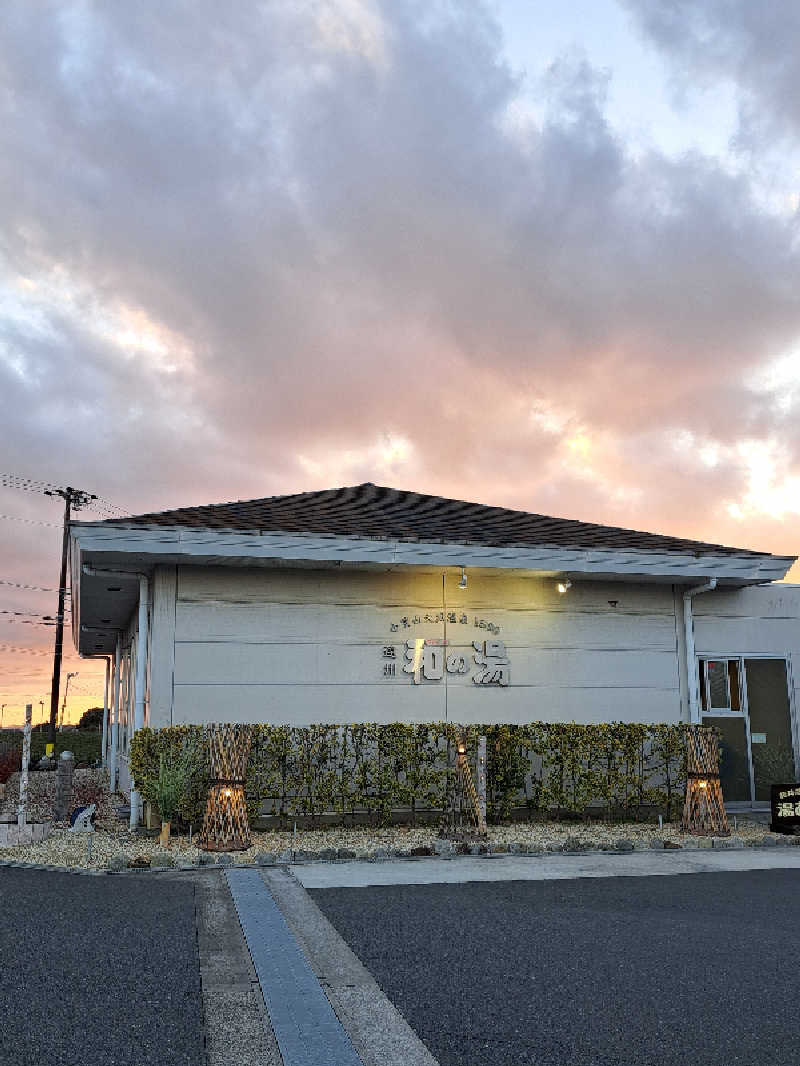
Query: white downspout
[(141, 663), (112, 759), (104, 741), (691, 667)]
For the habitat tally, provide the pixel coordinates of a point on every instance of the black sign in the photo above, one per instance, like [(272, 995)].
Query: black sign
[(785, 808)]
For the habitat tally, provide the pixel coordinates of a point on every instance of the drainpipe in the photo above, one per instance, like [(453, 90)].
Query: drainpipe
[(104, 741), (112, 755), (688, 625), (141, 663)]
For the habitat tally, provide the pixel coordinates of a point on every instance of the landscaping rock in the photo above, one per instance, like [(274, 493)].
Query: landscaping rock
[(162, 859), (672, 845), (516, 848), (117, 863), (345, 853), (574, 843), (769, 841), (443, 847), (285, 857), (381, 853), (205, 858), (624, 845), (401, 853), (265, 858), (422, 851), (327, 853), (306, 856), (659, 845), (141, 862), (224, 859)]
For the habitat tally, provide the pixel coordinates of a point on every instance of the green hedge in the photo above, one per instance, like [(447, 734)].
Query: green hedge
[(626, 768)]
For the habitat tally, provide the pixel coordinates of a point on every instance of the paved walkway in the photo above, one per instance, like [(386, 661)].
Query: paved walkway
[(542, 868)]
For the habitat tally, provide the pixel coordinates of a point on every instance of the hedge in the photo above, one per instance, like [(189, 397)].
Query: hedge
[(373, 769)]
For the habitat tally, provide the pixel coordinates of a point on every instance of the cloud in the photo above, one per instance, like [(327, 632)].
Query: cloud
[(263, 248), (752, 46)]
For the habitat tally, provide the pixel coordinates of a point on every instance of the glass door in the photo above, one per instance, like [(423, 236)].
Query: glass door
[(747, 700), (770, 725)]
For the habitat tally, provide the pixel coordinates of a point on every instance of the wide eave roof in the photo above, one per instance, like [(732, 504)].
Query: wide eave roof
[(374, 511)]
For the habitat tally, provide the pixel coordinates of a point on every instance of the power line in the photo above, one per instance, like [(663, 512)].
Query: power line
[(32, 588), (26, 484), (30, 521), (23, 651)]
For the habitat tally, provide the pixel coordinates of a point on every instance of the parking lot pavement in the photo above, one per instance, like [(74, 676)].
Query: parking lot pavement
[(656, 971), (98, 970)]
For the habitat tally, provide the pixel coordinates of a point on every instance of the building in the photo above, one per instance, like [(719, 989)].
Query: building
[(372, 604)]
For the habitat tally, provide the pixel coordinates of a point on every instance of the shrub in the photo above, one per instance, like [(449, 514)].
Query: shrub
[(10, 763), (372, 769)]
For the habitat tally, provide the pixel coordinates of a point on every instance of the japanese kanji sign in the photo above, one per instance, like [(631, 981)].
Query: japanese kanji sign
[(429, 660), (785, 808)]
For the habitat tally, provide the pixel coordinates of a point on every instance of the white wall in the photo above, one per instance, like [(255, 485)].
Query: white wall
[(307, 646), (763, 620)]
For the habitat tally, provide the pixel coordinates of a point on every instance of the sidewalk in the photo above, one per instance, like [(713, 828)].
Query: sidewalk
[(505, 867)]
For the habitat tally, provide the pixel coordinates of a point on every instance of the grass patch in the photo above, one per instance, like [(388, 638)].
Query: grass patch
[(83, 743)]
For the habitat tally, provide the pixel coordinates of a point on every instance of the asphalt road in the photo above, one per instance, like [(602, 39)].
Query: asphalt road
[(98, 970), (652, 971)]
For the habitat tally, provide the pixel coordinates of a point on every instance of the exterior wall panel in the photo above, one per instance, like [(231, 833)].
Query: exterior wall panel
[(301, 646)]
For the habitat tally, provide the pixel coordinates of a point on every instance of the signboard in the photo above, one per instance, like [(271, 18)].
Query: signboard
[(429, 660), (785, 801)]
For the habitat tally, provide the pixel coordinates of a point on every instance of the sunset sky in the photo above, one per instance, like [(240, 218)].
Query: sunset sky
[(525, 252)]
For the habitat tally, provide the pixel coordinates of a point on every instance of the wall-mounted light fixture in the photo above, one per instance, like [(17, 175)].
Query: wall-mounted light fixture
[(463, 582), (563, 586)]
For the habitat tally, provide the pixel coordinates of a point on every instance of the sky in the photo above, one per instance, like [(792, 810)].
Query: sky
[(530, 253)]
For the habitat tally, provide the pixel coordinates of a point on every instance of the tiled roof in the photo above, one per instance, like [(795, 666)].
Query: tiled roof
[(374, 511)]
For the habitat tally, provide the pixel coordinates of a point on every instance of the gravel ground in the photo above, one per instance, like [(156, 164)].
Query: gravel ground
[(93, 976), (657, 971), (67, 849)]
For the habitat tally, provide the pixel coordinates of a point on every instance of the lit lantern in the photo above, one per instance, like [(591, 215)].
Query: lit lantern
[(703, 809), (225, 827)]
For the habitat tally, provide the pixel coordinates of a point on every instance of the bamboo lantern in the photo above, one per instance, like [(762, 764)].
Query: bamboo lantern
[(466, 795), (704, 809), (225, 826)]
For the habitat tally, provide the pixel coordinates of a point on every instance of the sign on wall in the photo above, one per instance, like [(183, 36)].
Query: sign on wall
[(429, 660)]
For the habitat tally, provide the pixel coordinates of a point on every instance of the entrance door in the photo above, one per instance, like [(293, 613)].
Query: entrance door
[(747, 699)]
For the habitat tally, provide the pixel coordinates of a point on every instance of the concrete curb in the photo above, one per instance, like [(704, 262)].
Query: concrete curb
[(378, 1031)]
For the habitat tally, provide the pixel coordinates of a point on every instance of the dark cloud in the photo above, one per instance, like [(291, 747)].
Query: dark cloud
[(754, 47), (271, 247)]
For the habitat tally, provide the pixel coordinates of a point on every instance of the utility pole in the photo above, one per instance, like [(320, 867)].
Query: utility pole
[(2, 708), (72, 498)]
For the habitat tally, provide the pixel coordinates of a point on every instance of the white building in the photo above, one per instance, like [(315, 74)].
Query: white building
[(371, 604)]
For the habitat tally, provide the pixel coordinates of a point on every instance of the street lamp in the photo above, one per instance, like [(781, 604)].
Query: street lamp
[(64, 704)]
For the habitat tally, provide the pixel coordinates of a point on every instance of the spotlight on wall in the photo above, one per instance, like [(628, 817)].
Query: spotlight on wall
[(562, 586), (463, 582)]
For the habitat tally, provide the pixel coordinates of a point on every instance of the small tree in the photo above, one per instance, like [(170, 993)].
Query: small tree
[(91, 719), (167, 791)]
